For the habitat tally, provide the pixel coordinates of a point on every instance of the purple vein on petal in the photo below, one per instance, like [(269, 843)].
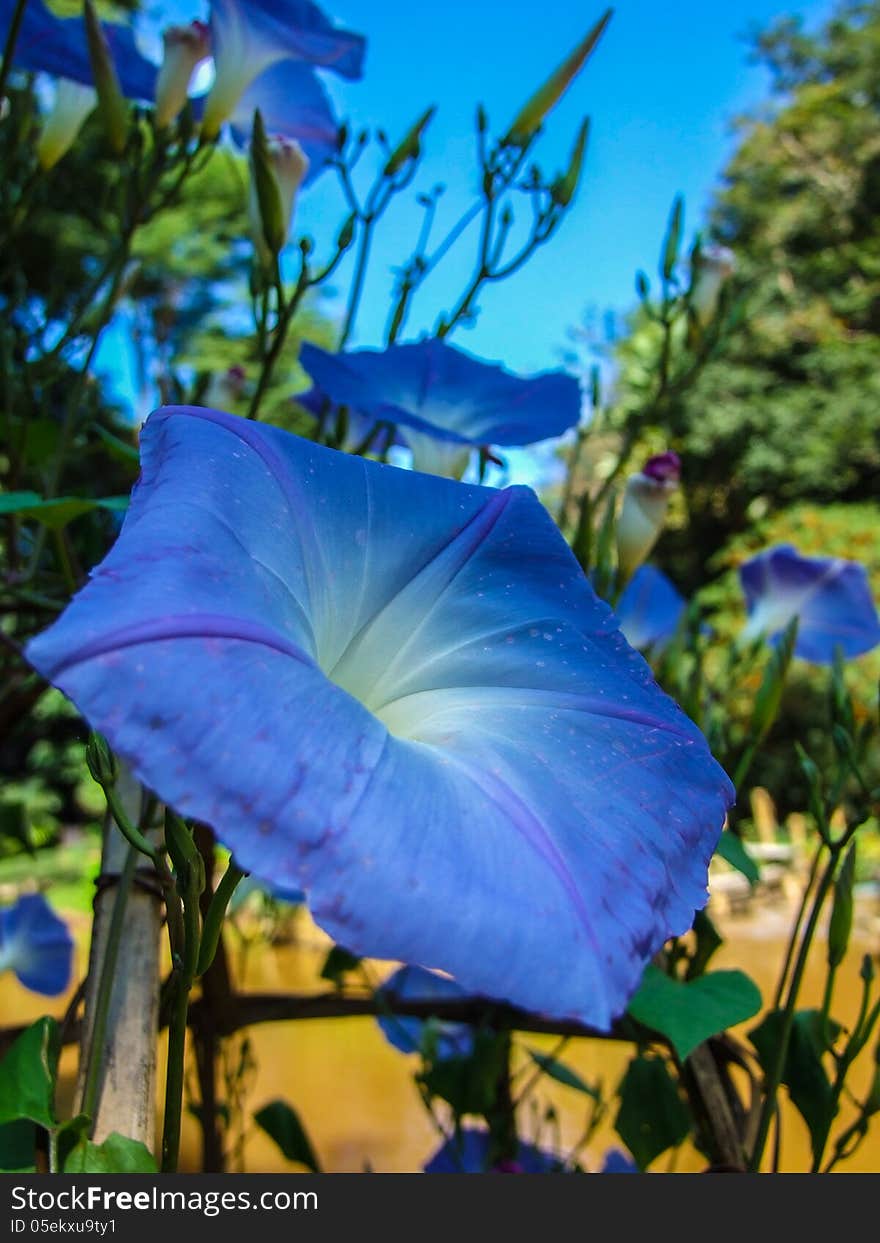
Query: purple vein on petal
[(182, 626)]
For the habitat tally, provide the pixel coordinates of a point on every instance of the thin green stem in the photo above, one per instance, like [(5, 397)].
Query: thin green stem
[(775, 1078), (11, 40), (214, 916)]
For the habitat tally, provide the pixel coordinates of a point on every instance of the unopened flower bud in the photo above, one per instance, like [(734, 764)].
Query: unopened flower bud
[(101, 761), (278, 166), (73, 103), (112, 107), (643, 512), (225, 388), (185, 49), (710, 268)]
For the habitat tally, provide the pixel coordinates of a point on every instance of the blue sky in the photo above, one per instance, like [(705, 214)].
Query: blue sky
[(662, 90)]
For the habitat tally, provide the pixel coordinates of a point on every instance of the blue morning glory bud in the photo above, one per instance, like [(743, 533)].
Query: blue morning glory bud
[(830, 597), (643, 512), (36, 945), (185, 48), (72, 105), (111, 102), (407, 1034), (649, 609), (711, 267), (444, 402), (468, 1153), (400, 694), (250, 36)]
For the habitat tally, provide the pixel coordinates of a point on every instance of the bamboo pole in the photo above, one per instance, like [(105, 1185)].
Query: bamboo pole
[(126, 1094)]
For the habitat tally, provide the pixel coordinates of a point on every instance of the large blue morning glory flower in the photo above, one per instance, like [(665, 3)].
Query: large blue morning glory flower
[(468, 1153), (830, 597), (649, 609), (442, 401), (400, 694), (58, 45), (407, 1034), (36, 945)]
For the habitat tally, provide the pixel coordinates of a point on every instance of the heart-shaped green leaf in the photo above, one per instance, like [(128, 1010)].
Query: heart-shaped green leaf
[(689, 1013)]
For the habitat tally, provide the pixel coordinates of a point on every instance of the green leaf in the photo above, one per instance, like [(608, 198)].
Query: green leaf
[(708, 941), (470, 1084), (840, 925), (689, 1013), (117, 447), (27, 1075), (561, 1073), (652, 1116), (117, 1155), (18, 1142), (337, 962), (803, 1074), (731, 849), (282, 1124), (57, 513)]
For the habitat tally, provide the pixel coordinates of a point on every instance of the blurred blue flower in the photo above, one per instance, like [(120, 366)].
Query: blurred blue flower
[(58, 45), (36, 945), (251, 36), (443, 402), (830, 597), (288, 93), (468, 1153), (400, 694), (649, 609), (406, 1034), (618, 1162)]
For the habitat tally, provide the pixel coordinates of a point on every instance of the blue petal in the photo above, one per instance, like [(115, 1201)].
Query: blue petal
[(468, 1153), (36, 945), (296, 27), (58, 46), (293, 104), (830, 597), (400, 694), (438, 390), (649, 609), (406, 1034), (617, 1162)]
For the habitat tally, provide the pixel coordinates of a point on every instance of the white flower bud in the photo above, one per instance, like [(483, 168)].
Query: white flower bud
[(712, 267), (185, 49), (288, 165), (643, 512), (73, 103)]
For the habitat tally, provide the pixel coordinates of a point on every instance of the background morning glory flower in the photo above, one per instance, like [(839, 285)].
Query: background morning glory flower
[(830, 597), (250, 36), (400, 694), (650, 608), (58, 46), (443, 401), (468, 1153), (36, 945), (406, 1034)]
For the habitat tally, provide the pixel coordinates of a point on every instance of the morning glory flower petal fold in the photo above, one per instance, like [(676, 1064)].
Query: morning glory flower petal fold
[(830, 597), (442, 400), (36, 945), (649, 609), (400, 694), (250, 36), (59, 46), (407, 1034)]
